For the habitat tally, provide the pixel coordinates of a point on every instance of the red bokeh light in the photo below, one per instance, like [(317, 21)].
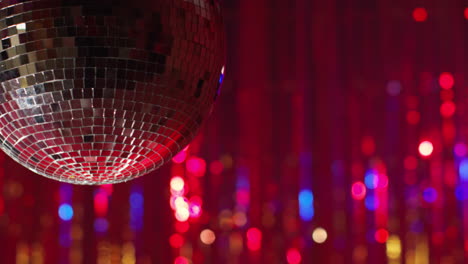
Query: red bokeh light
[(381, 235), (446, 80), (447, 109), (426, 148), (420, 14), (411, 163), (176, 241), (181, 227), (100, 203), (358, 191), (196, 166), (466, 13), (293, 256), (254, 239), (181, 260), (413, 117), (216, 167), (368, 146)]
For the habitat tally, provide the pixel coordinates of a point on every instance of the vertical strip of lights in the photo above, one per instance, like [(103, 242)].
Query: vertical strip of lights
[(65, 213), (136, 201), (101, 224)]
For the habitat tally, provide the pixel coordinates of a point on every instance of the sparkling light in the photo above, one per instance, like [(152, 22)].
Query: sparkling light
[(65, 212), (207, 236), (177, 184), (426, 148), (381, 235), (319, 235), (293, 256), (420, 14), (358, 190), (446, 80)]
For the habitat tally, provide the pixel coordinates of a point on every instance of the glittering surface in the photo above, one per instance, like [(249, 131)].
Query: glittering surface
[(97, 92)]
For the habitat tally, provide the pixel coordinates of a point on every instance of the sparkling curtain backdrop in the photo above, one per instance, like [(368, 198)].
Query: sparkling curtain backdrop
[(340, 136)]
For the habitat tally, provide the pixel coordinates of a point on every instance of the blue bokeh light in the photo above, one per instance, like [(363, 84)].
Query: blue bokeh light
[(65, 212), (306, 205), (463, 169), (371, 179), (136, 200), (371, 202), (101, 225), (430, 195)]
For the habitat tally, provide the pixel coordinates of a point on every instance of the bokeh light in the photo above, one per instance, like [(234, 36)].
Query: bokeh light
[(254, 239), (446, 80), (196, 166), (426, 148), (381, 235), (65, 212), (460, 149), (176, 241), (207, 237), (447, 109), (430, 195), (306, 205), (293, 256), (181, 260), (319, 235), (420, 14), (177, 184), (358, 190)]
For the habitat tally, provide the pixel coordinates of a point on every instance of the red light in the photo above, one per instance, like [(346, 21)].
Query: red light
[(181, 227), (2, 206), (196, 166), (368, 146), (243, 197), (413, 117), (181, 260), (420, 14), (446, 80), (358, 191), (254, 239), (411, 163), (447, 109), (176, 241), (179, 158), (100, 203), (426, 148), (466, 13), (216, 167), (293, 256), (381, 235)]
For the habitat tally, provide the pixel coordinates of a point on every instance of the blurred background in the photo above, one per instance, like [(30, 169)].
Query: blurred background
[(340, 137)]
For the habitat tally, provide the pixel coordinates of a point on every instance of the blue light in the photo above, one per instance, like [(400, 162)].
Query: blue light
[(136, 200), (430, 195), (65, 212), (101, 225), (463, 169), (371, 202), (306, 205), (371, 179), (461, 192)]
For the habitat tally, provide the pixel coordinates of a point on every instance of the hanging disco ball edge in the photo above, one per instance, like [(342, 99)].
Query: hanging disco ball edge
[(98, 92)]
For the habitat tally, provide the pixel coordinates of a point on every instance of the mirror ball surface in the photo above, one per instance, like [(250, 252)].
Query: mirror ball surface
[(98, 92)]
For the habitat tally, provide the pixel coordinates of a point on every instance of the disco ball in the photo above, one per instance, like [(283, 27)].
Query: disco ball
[(104, 91)]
